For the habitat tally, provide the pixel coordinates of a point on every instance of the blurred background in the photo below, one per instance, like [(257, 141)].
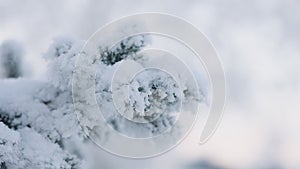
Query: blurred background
[(257, 42)]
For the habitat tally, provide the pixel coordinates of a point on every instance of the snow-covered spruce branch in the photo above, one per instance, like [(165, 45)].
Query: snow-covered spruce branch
[(38, 126)]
